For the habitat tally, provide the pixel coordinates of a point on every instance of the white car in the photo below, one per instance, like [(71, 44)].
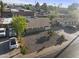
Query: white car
[(12, 33), (2, 32), (13, 43), (47, 27)]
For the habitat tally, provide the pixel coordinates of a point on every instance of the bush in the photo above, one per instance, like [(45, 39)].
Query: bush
[(23, 50), (60, 40), (51, 33), (34, 30)]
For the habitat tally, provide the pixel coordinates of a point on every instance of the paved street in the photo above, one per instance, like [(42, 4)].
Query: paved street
[(72, 51), (4, 45)]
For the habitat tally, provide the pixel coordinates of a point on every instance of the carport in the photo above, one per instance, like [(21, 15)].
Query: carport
[(5, 23)]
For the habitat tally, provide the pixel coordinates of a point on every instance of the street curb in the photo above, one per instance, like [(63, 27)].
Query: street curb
[(66, 46), (14, 55)]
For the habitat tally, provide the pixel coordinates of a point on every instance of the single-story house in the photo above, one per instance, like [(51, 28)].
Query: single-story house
[(8, 13), (27, 13), (66, 19), (38, 22), (33, 23), (5, 21)]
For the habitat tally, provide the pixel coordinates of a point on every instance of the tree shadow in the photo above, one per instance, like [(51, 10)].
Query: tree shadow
[(42, 39)]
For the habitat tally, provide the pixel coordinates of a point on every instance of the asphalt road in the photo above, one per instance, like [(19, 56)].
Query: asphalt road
[(72, 51), (4, 46)]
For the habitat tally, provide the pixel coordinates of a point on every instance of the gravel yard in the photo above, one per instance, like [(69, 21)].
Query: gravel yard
[(33, 46)]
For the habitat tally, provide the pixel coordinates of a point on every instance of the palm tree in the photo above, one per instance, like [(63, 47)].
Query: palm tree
[(19, 24)]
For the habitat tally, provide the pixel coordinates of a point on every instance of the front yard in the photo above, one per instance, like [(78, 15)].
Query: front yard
[(38, 41)]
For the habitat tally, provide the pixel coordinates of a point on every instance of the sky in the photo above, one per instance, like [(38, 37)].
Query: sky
[(65, 3)]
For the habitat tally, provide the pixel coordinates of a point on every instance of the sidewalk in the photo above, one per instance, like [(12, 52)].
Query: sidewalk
[(51, 50)]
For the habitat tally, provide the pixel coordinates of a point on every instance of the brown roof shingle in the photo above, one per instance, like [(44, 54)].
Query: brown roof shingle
[(39, 22)]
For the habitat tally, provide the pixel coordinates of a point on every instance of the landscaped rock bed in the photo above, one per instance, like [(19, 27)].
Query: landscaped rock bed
[(40, 41)]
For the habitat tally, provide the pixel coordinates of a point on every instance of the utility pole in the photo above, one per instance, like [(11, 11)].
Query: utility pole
[(1, 11)]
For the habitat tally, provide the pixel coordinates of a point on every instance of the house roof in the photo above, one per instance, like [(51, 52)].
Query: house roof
[(33, 23), (39, 22), (5, 20), (6, 10), (24, 10), (14, 10)]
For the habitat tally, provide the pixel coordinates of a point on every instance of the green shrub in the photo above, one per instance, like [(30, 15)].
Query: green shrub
[(23, 50), (34, 30)]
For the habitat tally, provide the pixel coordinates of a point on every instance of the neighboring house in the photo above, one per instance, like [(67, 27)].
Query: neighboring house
[(14, 12), (69, 22), (41, 14), (8, 13), (66, 19), (27, 13), (4, 22), (38, 22), (33, 23)]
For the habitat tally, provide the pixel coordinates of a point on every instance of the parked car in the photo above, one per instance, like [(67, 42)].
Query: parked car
[(47, 28), (2, 32), (12, 33), (71, 27), (13, 43)]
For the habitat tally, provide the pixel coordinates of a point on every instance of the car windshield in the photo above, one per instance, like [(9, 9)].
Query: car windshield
[(13, 42), (1, 31)]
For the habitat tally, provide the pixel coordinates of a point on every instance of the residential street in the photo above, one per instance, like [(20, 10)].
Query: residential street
[(4, 46), (72, 51)]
